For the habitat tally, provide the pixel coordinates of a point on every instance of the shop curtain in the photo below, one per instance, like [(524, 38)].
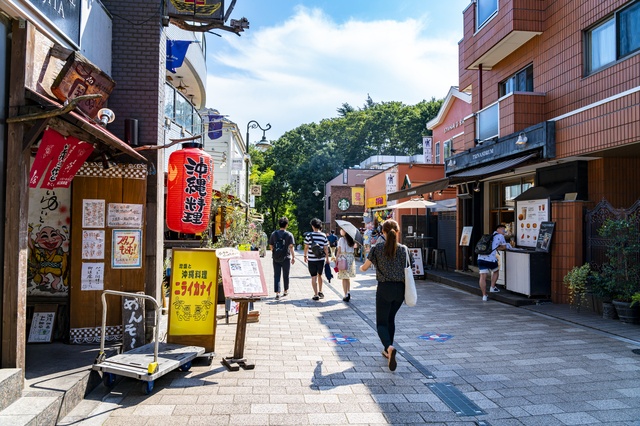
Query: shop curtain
[(603, 44)]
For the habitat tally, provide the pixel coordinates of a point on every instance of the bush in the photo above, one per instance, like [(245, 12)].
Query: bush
[(622, 271), (576, 282)]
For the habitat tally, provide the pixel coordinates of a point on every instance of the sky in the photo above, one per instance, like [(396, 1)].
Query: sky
[(300, 60)]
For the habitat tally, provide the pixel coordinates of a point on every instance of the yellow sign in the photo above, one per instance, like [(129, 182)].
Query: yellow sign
[(357, 196), (378, 201), (194, 282)]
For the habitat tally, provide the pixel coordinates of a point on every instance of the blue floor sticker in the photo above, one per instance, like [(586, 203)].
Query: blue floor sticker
[(436, 337), (340, 340)]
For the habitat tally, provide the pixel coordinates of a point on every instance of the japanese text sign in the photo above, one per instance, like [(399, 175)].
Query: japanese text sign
[(242, 276), (124, 215), (126, 251), (357, 196)]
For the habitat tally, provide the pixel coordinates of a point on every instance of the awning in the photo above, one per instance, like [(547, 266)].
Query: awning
[(494, 168), (436, 185), (83, 128), (553, 192)]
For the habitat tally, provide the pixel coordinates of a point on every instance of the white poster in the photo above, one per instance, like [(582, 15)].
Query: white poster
[(240, 267), (392, 182), (93, 213), (529, 215), (92, 244), (41, 327), (466, 235), (244, 285), (426, 150), (237, 164), (124, 215), (418, 267), (92, 277)]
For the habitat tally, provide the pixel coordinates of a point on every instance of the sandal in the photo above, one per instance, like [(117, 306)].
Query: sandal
[(385, 354), (392, 359)]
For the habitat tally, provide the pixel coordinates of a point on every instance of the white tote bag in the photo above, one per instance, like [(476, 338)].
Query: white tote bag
[(410, 293)]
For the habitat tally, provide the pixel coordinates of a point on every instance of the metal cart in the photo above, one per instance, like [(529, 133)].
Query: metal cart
[(147, 362)]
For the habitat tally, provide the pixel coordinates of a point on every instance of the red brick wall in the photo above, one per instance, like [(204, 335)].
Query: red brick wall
[(567, 244), (520, 111), (338, 193)]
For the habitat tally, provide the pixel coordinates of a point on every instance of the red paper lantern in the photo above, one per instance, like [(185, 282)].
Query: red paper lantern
[(189, 188)]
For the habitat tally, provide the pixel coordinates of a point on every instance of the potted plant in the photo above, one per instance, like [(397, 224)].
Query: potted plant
[(576, 282), (622, 270), (601, 288)]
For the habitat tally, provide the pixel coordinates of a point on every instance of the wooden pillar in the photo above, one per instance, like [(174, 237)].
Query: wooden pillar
[(14, 294)]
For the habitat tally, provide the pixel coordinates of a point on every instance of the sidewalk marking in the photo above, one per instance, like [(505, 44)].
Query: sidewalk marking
[(436, 337), (460, 404), (341, 340)]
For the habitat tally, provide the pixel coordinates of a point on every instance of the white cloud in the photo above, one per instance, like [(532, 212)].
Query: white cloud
[(301, 71)]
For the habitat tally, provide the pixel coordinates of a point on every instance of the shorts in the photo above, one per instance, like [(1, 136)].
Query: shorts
[(486, 266), (316, 267)]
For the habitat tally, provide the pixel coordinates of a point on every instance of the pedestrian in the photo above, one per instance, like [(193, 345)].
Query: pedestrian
[(489, 262), (390, 259), (316, 252), (333, 242), (346, 248), (281, 243)]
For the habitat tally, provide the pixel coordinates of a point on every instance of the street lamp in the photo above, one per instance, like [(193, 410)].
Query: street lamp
[(263, 144), (316, 192)]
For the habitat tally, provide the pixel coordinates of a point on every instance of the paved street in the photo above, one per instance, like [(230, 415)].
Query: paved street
[(518, 367)]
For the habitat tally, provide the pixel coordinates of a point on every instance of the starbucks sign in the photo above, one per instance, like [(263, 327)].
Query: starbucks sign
[(343, 204)]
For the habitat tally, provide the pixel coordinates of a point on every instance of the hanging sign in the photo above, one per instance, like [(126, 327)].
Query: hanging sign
[(126, 251), (204, 9), (357, 196), (93, 213), (391, 180), (378, 201), (124, 215), (256, 190), (93, 244), (193, 298), (426, 149)]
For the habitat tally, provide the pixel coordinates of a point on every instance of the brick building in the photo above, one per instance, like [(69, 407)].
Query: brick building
[(555, 117)]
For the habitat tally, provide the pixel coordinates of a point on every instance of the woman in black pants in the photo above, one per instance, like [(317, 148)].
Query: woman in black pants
[(390, 263)]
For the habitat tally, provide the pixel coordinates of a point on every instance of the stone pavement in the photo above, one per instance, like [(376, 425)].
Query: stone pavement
[(519, 367)]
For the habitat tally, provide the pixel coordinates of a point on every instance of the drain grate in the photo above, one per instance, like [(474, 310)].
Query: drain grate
[(460, 404)]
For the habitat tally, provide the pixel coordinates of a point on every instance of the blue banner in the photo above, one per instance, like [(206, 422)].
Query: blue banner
[(176, 51), (215, 126)]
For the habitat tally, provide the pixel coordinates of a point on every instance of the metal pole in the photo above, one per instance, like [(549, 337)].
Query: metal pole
[(253, 125)]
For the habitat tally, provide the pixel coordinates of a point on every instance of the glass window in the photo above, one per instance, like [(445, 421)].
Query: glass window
[(602, 45), (484, 10), (447, 148), (502, 199), (488, 123), (437, 147), (183, 110), (197, 123), (169, 98), (522, 81), (629, 28)]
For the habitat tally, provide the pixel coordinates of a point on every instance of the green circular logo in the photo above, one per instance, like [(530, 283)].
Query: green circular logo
[(343, 204)]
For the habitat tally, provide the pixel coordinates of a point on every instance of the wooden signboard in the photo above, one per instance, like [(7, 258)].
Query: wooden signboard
[(242, 276), (80, 77), (192, 304), (43, 323), (133, 320)]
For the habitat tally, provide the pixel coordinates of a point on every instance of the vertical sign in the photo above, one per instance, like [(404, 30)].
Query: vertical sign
[(391, 182), (192, 306), (426, 149), (345, 176), (357, 196), (133, 320)]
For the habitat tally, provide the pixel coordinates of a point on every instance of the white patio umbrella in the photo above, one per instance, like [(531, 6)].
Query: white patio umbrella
[(350, 229), (414, 204)]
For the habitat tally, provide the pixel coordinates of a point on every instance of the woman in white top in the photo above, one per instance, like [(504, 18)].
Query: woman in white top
[(346, 248)]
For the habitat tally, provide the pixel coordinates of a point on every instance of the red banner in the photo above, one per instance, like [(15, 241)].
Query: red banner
[(65, 155)]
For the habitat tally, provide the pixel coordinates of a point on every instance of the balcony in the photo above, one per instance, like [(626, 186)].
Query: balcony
[(492, 35), (193, 72)]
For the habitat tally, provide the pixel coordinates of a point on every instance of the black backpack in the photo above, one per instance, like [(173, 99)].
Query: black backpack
[(280, 247), (317, 250), (485, 245)]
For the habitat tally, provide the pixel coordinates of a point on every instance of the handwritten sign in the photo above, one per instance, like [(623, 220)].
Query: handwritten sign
[(192, 305), (126, 251), (93, 244), (93, 213), (133, 320), (124, 215), (42, 323), (92, 277)]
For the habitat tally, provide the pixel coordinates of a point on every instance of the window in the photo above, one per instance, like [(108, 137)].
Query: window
[(613, 39), (502, 195), (437, 149), (488, 123), (522, 81), (485, 9), (447, 148), (169, 98)]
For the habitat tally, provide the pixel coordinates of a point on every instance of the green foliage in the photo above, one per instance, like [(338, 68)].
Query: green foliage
[(576, 282), (622, 271), (240, 231), (635, 298)]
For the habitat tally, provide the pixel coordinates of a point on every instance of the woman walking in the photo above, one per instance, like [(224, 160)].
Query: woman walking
[(346, 248), (390, 262)]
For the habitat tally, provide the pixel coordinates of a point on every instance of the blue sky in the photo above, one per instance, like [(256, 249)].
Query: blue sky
[(300, 60)]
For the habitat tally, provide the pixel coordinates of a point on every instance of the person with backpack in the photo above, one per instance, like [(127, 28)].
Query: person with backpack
[(316, 252), (283, 255), (333, 242), (487, 249)]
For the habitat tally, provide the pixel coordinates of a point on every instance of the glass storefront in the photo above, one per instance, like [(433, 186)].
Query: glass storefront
[(502, 196)]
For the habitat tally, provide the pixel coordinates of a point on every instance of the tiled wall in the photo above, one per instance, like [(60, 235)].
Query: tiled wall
[(520, 111), (616, 179)]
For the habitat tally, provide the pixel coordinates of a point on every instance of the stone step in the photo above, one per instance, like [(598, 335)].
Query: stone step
[(10, 386), (32, 411)]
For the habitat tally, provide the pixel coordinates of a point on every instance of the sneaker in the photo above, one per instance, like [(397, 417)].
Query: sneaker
[(315, 298), (347, 297), (277, 296), (494, 290), (484, 298), (320, 295), (285, 293)]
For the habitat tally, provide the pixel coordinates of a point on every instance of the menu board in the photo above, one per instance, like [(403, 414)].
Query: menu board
[(545, 235), (242, 275), (466, 235), (529, 215), (418, 267)]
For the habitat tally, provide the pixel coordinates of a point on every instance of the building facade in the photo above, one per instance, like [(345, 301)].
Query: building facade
[(555, 117)]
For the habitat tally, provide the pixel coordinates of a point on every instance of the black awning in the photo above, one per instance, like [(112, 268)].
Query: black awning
[(494, 168), (553, 192), (436, 185)]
